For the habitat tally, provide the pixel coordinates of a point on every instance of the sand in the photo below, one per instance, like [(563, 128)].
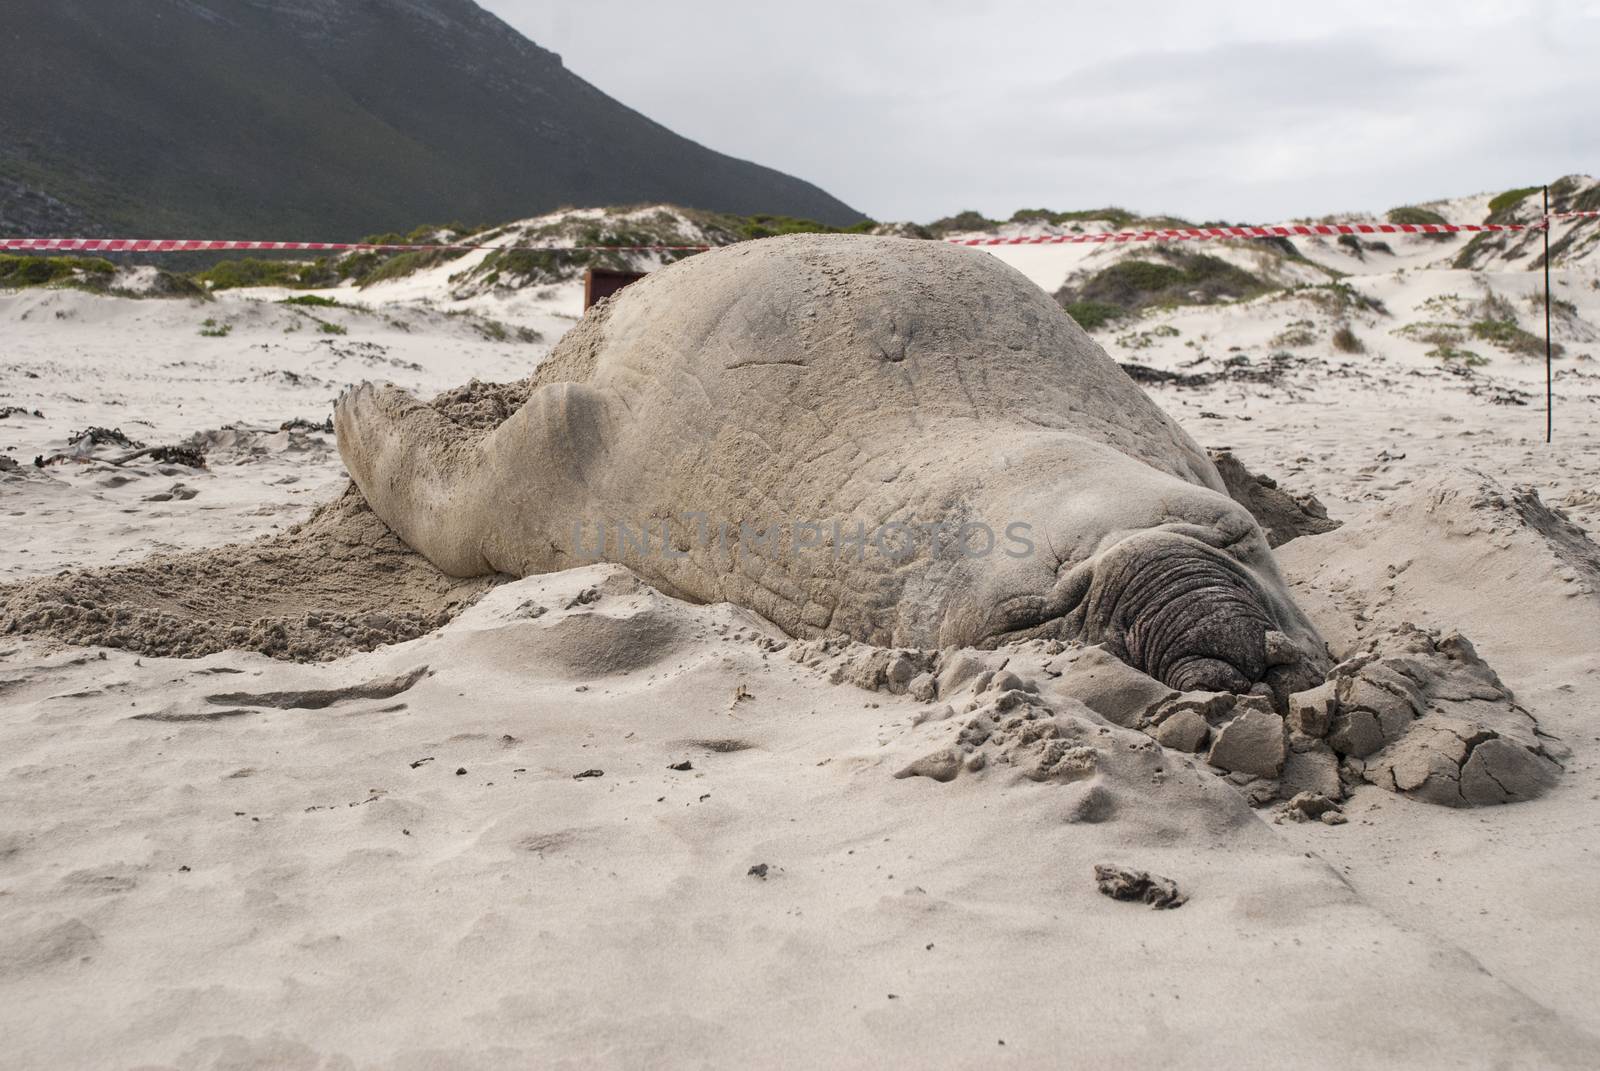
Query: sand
[(337, 583), (677, 837)]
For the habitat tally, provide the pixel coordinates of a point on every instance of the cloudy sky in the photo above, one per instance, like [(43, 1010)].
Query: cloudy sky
[(1243, 111)]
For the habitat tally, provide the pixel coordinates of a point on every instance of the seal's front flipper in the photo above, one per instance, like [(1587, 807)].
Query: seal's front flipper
[(474, 503), (417, 470), (543, 470)]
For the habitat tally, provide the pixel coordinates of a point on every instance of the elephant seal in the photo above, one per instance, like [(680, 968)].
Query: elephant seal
[(747, 424)]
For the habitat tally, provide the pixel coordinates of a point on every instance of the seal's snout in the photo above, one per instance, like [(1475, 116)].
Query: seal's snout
[(1185, 613)]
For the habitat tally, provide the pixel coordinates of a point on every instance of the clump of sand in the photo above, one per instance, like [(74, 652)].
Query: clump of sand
[(1417, 713), (338, 583), (1282, 516)]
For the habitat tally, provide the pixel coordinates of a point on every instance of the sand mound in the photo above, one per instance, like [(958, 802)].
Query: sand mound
[(338, 583), (594, 625), (1458, 552)]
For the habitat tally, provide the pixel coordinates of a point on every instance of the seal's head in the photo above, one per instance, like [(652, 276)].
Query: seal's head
[(1175, 579)]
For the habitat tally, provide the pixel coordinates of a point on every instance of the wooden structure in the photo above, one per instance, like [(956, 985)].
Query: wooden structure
[(603, 282)]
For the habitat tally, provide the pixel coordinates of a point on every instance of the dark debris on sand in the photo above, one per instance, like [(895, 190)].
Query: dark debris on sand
[(1138, 886)]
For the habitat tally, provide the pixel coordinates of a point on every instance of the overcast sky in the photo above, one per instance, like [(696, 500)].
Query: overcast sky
[(1244, 111)]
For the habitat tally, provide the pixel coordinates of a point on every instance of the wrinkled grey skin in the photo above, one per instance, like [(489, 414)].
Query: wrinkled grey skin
[(857, 379)]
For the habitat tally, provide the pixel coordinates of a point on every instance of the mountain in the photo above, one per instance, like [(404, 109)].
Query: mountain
[(326, 119)]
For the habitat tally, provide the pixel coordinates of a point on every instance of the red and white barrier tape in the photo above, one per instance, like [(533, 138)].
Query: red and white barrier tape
[(195, 245), (1203, 234), (1293, 230), (1175, 234)]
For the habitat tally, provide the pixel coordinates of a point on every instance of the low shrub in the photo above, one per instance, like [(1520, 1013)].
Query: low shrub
[(1143, 340), (22, 271), (396, 265), (1413, 216), (1339, 297), (970, 220), (1345, 341), (768, 226), (1093, 315), (1504, 206), (1296, 335), (1117, 217), (251, 271), (1506, 335), (1433, 333), (1451, 353)]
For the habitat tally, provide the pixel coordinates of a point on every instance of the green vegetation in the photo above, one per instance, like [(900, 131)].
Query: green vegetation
[(1433, 333), (1504, 206), (170, 284), (212, 329), (493, 330), (363, 268), (1345, 341), (1413, 216), (91, 273), (518, 268), (311, 300), (1338, 298), (1093, 315), (251, 271), (1496, 324), (1491, 319), (765, 226), (1587, 201), (620, 225), (1565, 196), (1143, 340), (1505, 334), (531, 266), (1359, 248), (970, 220), (328, 328), (426, 234), (1447, 352), (1117, 217), (384, 266), (1179, 277), (1288, 249), (1468, 256), (1297, 334), (1559, 307)]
